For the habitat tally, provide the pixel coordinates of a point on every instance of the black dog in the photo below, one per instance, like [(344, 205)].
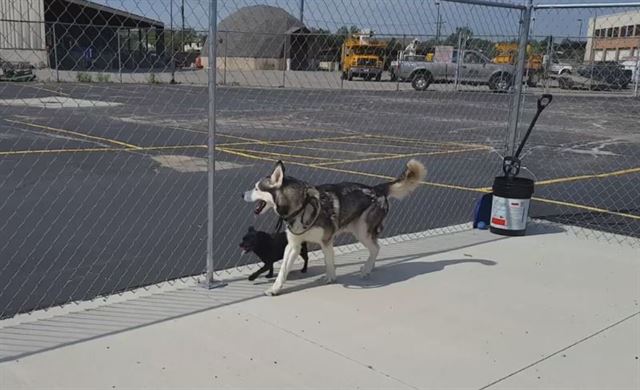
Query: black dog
[(269, 248)]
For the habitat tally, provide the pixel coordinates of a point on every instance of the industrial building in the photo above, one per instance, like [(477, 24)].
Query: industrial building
[(261, 37), (78, 35), (613, 37)]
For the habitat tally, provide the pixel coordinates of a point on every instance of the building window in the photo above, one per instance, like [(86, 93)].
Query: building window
[(630, 31), (637, 30), (623, 31), (616, 32), (609, 32)]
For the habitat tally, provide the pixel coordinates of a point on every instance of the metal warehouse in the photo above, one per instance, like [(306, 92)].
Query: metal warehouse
[(78, 34), (261, 37)]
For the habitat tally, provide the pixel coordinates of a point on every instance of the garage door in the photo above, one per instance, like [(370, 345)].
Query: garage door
[(597, 55), (623, 54)]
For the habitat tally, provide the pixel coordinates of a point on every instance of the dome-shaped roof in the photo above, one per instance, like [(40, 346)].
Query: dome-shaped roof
[(257, 31)]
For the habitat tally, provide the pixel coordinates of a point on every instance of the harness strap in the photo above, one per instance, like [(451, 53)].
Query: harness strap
[(290, 219)]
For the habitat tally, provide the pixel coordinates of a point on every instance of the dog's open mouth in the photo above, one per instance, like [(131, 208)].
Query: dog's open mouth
[(260, 205)]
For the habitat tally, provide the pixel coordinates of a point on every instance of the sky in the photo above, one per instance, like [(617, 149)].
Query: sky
[(392, 17)]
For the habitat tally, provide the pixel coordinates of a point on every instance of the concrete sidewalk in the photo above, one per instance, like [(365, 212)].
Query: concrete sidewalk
[(463, 310)]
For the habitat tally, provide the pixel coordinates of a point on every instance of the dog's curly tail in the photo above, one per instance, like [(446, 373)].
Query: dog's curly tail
[(406, 183)]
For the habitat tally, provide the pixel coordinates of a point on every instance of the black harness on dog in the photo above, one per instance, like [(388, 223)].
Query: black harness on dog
[(290, 219)]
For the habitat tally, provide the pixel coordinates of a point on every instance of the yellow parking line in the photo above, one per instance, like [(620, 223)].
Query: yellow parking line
[(439, 185), (91, 150), (579, 177), (583, 207), (285, 142), (277, 154), (586, 177), (82, 135), (327, 150), (59, 151), (414, 140), (401, 156), (49, 90), (360, 173), (401, 147)]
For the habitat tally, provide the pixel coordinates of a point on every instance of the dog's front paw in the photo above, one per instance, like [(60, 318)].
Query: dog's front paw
[(271, 292), (365, 272), (327, 279)]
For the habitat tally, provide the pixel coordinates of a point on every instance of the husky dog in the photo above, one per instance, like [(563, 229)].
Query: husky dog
[(318, 213)]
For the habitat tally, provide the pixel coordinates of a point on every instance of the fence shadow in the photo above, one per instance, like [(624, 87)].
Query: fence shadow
[(67, 329), (403, 271)]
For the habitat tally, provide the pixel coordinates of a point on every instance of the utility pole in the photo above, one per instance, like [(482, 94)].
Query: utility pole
[(437, 21), (172, 53), (580, 30), (182, 33), (301, 11)]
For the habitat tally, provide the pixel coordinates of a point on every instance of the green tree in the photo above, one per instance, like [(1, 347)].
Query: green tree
[(465, 32), (179, 37)]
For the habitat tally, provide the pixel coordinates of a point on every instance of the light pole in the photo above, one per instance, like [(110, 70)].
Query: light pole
[(182, 32), (172, 59), (301, 11), (437, 21), (580, 30)]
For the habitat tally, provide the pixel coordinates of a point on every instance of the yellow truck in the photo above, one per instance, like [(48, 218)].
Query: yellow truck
[(507, 53), (362, 57)]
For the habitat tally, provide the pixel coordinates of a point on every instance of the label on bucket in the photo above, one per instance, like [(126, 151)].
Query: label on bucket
[(509, 214)]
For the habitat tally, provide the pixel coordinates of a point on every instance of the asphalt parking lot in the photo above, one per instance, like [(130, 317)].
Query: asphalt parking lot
[(103, 186)]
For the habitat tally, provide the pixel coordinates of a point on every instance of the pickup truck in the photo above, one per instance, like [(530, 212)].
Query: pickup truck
[(475, 68)]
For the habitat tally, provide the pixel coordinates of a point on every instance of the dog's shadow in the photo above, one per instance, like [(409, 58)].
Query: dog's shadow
[(385, 275)]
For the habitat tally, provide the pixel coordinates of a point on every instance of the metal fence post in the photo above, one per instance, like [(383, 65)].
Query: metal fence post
[(514, 114), (224, 69), (547, 66), (459, 59), (210, 281), (592, 54), (55, 53), (119, 56), (636, 71), (284, 65)]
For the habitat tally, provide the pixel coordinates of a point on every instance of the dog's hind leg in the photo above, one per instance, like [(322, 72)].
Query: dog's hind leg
[(305, 256), (327, 250), (291, 253), (270, 273), (363, 235), (262, 269)]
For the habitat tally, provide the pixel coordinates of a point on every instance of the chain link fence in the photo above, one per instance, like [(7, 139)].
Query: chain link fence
[(114, 135)]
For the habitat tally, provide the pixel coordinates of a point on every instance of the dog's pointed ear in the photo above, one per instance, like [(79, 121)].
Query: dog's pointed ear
[(277, 176), (252, 229)]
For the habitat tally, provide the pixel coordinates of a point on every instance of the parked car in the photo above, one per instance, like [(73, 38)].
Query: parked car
[(475, 68), (597, 76), (397, 68), (555, 67), (16, 71), (632, 64)]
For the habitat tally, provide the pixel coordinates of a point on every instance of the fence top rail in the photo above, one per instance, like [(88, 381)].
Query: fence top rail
[(587, 5), (489, 3)]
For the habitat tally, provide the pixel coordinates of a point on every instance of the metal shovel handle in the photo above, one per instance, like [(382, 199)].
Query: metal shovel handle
[(543, 102), (511, 165)]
